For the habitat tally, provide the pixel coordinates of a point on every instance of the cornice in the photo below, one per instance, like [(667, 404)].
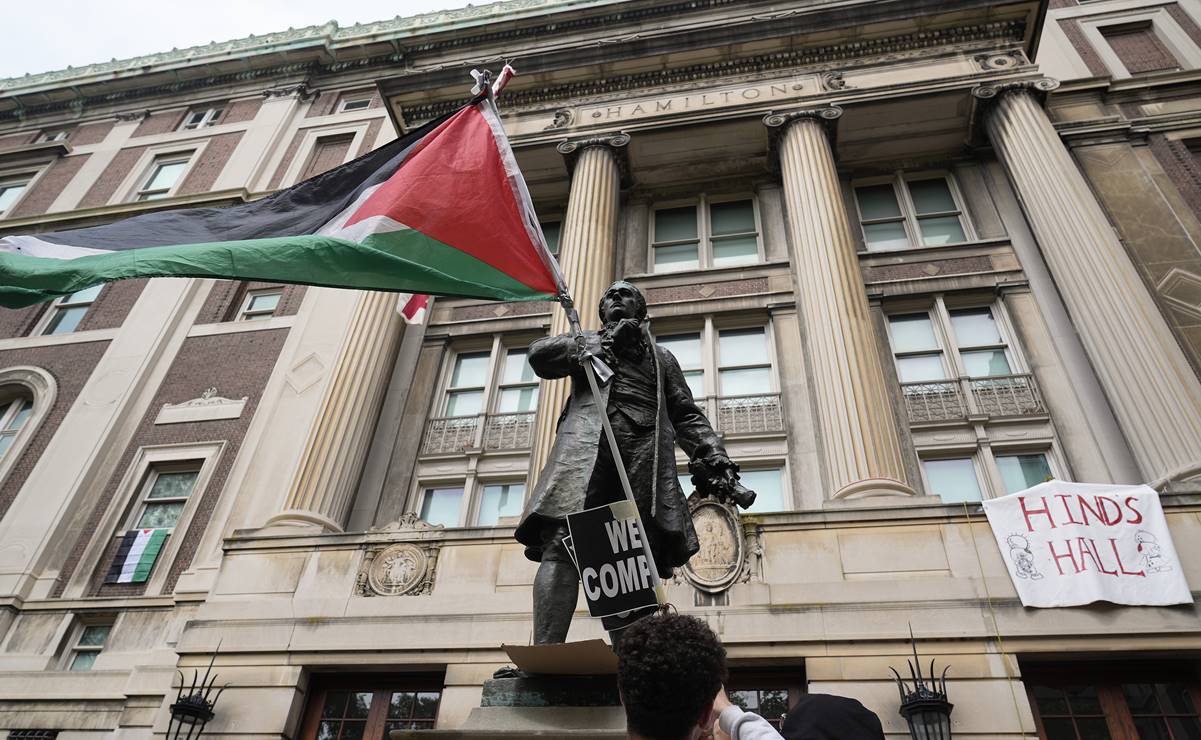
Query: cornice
[(842, 55)]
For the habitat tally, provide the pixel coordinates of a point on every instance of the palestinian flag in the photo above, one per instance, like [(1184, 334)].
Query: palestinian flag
[(135, 556), (443, 210)]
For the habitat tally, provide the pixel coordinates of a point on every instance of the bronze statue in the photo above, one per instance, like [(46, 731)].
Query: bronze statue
[(650, 408)]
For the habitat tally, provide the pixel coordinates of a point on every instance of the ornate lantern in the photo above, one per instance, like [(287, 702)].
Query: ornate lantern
[(194, 709), (925, 708)]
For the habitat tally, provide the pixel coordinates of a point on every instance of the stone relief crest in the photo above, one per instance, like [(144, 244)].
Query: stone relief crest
[(726, 552), (401, 569)]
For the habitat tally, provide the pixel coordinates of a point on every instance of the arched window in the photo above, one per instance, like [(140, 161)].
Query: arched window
[(14, 413), (26, 396)]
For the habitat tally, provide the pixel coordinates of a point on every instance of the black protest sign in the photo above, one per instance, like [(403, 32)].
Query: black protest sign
[(610, 554)]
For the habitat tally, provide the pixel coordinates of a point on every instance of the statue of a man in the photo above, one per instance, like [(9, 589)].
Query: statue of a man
[(650, 408)]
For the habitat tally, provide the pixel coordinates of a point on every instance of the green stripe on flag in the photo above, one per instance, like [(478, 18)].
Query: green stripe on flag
[(405, 261), (141, 572)]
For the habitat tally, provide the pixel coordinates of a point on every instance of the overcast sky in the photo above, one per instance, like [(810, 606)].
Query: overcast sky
[(39, 37)]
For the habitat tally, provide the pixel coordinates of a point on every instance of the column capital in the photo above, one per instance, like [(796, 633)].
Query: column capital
[(615, 143), (780, 121), (992, 90)]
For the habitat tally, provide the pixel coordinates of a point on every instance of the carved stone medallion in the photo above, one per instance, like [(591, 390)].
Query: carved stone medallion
[(722, 556), (400, 569)]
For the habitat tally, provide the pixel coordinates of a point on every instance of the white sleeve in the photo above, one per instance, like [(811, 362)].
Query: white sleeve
[(740, 725)]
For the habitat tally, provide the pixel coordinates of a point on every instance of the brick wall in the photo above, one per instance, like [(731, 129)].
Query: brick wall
[(289, 155), (12, 141), (18, 322), (112, 177), (216, 155), (1183, 167), (160, 123), (238, 365), (113, 304), (1186, 22), (71, 365), (370, 137), (323, 105), (91, 133), (1071, 29), (227, 295), (1139, 49), (242, 110), (39, 198)]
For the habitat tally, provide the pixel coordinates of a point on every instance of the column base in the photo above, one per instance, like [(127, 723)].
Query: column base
[(869, 487), (296, 518)]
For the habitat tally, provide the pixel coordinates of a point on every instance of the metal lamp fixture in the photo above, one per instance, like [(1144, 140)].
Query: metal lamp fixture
[(925, 707), (194, 709)]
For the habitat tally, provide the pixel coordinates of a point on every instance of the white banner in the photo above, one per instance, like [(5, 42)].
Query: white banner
[(1068, 544)]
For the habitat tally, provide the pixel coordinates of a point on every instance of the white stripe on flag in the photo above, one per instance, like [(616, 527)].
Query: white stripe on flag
[(134, 555)]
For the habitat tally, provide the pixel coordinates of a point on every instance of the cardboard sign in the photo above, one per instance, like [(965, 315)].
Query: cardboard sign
[(1067, 544), (610, 554)]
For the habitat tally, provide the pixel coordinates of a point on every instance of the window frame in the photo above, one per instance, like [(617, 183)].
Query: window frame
[(702, 204), (79, 625), (51, 135), (710, 336), (210, 115), (24, 180), (121, 512), (308, 143), (379, 685), (909, 217), (246, 313), (40, 329), (348, 99), (1163, 25), (472, 498), (157, 162), (984, 456), (498, 346), (145, 488), (37, 385), (939, 310)]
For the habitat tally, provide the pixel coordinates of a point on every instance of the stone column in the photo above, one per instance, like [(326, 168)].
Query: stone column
[(587, 251), (1154, 393), (325, 481), (858, 431)]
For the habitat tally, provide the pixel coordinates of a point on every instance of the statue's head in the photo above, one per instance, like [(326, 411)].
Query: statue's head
[(622, 301)]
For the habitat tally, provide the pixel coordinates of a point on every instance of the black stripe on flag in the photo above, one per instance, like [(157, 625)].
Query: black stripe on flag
[(114, 570)]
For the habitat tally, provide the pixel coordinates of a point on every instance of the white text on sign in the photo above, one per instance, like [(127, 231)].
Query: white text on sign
[(625, 575)]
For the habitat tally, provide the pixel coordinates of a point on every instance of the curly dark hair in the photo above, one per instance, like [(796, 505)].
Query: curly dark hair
[(669, 669)]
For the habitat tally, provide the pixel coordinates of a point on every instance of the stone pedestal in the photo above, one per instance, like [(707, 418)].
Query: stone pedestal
[(584, 707)]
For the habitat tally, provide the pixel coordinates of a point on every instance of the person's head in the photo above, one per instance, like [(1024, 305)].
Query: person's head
[(622, 301), (669, 669)]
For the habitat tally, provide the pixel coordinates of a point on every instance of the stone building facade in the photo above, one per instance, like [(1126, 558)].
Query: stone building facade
[(909, 254)]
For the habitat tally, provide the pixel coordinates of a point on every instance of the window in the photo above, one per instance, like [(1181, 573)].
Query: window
[(164, 175), (489, 401), (768, 485), (260, 304), (442, 506), (768, 693), (52, 134), (980, 349), (1090, 701), (952, 479), (500, 500), (730, 373), (11, 190), (164, 495), (721, 233), (353, 102), (328, 152), (1023, 471), (202, 117), (370, 707), (66, 312), (1139, 47), (89, 642), (909, 211), (966, 476), (465, 394), (552, 231), (13, 416)]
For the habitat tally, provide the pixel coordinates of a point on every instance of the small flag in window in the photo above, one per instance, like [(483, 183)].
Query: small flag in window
[(136, 555)]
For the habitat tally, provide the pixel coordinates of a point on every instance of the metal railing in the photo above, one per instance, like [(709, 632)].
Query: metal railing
[(451, 434), (998, 396), (761, 413), (937, 401), (1008, 395), (509, 431)]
